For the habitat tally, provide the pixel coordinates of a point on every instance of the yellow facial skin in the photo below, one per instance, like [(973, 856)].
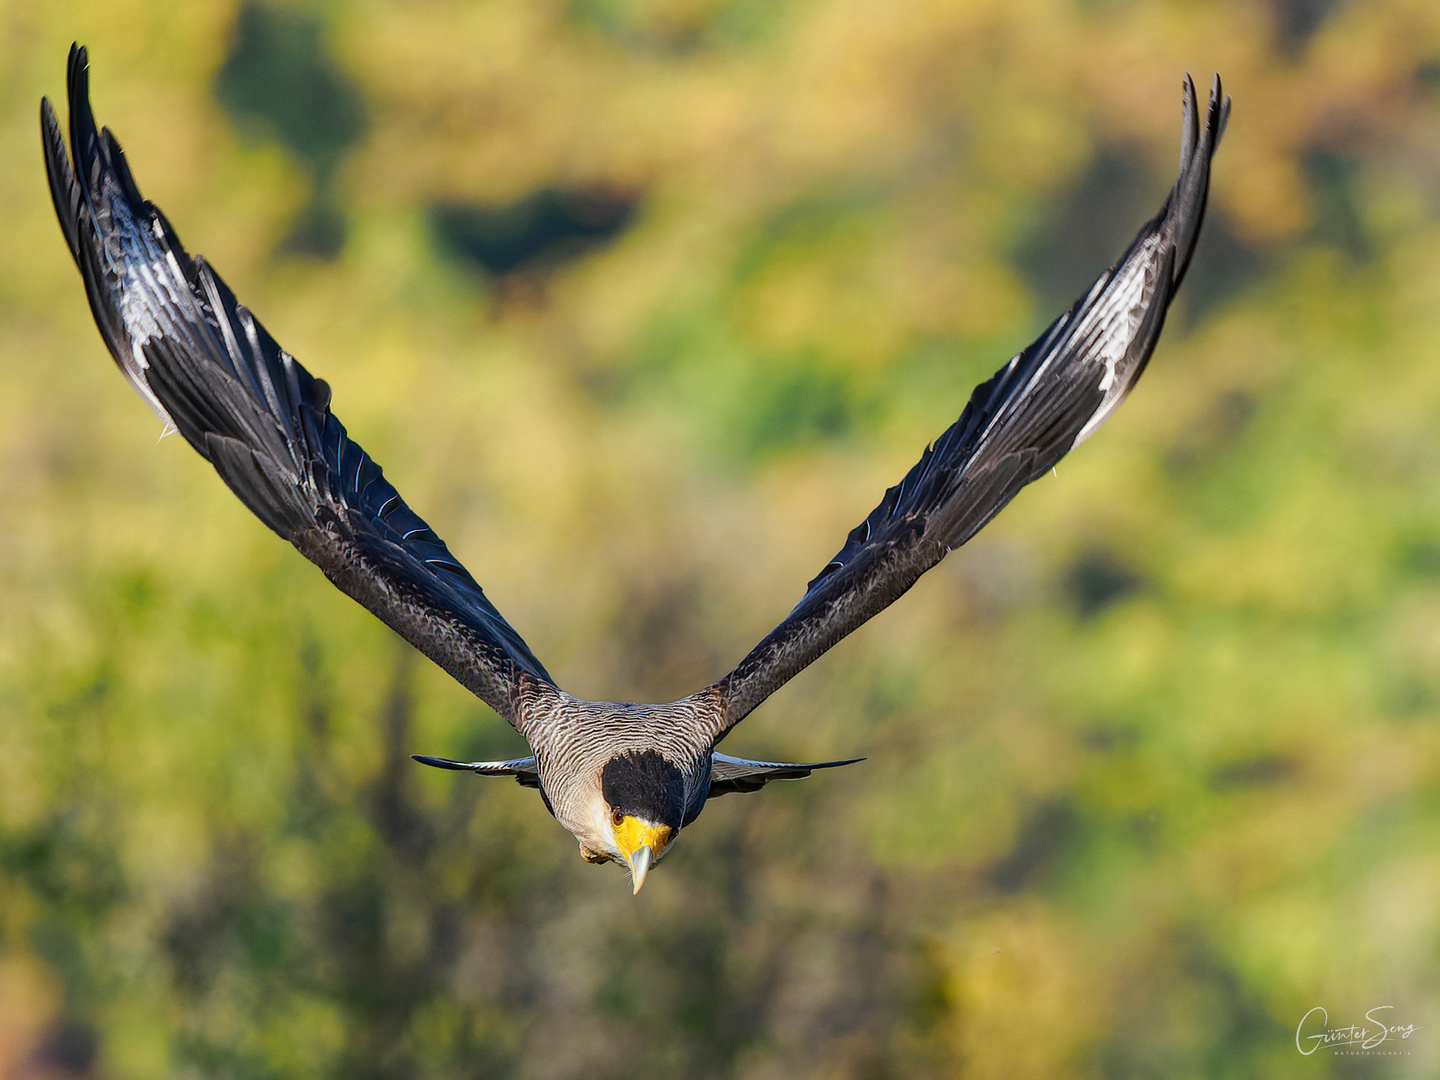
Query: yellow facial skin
[(642, 844)]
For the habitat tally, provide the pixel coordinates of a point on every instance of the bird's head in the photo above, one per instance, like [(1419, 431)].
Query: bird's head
[(645, 801)]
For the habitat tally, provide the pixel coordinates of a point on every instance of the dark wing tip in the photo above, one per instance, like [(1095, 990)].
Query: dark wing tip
[(64, 188), (78, 74), (837, 764), (84, 135), (1190, 124), (1219, 102), (87, 139), (49, 122), (440, 762), (1218, 113), (1185, 209)]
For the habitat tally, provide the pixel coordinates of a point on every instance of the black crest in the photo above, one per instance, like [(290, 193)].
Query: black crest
[(645, 785)]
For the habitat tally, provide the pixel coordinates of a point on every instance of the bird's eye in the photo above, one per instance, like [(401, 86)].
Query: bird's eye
[(616, 817)]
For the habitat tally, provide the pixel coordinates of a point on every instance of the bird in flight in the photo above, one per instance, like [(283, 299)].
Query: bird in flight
[(624, 778)]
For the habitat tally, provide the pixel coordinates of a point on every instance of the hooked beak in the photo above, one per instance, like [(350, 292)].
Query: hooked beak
[(642, 844), (640, 861)]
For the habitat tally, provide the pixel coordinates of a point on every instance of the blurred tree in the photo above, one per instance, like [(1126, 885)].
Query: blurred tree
[(280, 78), (545, 226), (1152, 764)]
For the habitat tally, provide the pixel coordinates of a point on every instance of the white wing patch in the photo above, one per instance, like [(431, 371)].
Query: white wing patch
[(1134, 285), (136, 286)]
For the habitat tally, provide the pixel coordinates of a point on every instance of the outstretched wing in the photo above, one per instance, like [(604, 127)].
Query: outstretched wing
[(729, 774), (1033, 411), (209, 369)]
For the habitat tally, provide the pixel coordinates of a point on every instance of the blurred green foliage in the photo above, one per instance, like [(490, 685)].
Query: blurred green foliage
[(1154, 763)]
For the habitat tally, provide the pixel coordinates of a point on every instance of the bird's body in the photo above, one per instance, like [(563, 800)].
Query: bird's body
[(575, 737), (624, 778)]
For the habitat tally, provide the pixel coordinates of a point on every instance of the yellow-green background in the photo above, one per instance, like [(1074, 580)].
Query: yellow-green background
[(1153, 764)]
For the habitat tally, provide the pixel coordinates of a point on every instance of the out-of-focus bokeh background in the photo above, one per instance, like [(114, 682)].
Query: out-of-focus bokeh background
[(643, 303)]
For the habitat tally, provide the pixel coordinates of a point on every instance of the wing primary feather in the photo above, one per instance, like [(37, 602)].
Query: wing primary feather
[(64, 188)]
